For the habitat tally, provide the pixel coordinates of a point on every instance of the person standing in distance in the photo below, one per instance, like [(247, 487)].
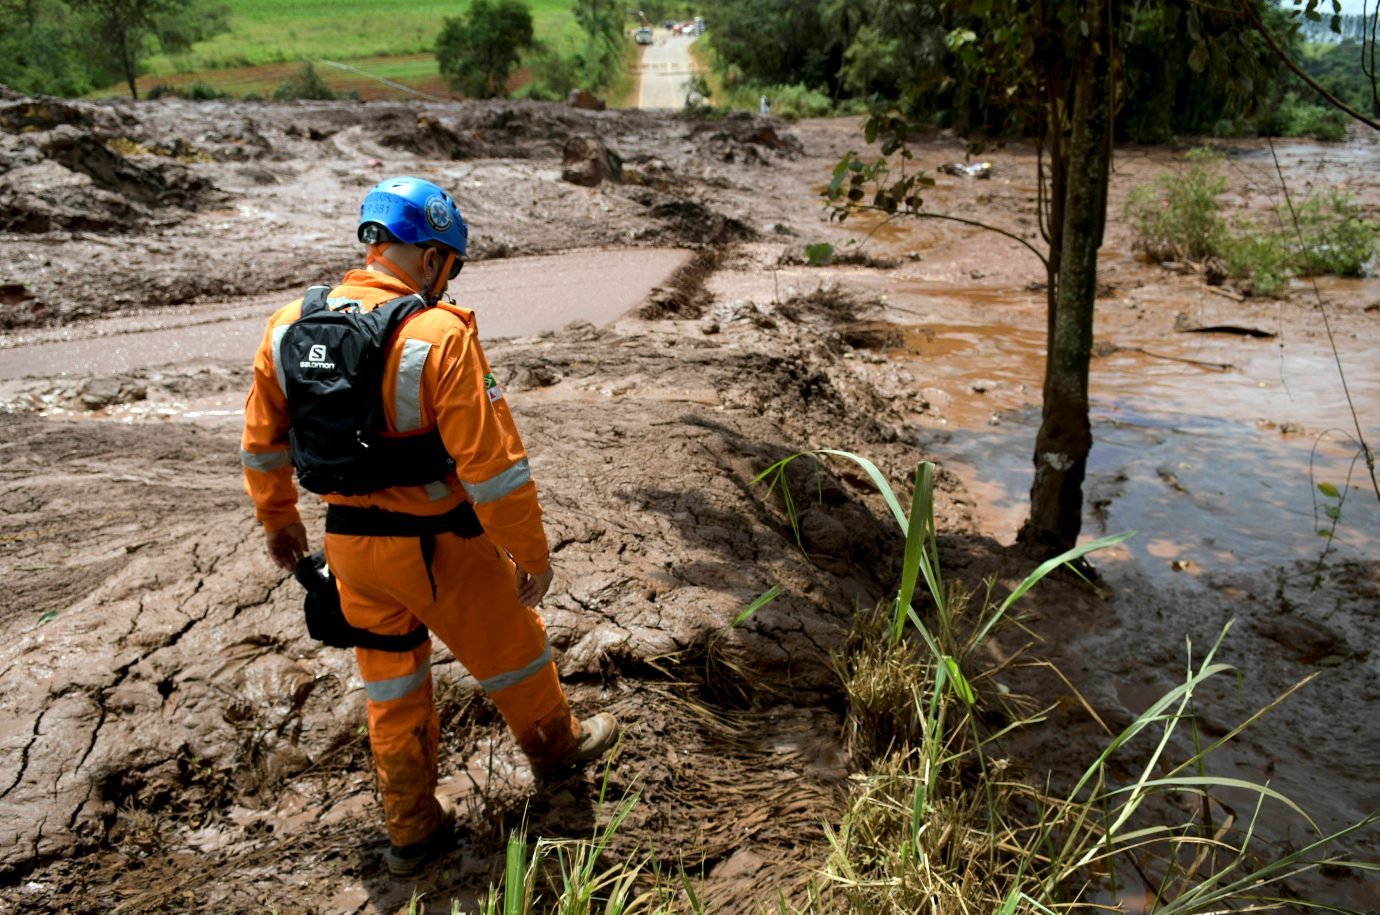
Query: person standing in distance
[(463, 554)]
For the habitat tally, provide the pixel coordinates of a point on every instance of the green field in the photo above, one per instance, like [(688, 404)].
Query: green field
[(266, 32), (381, 42)]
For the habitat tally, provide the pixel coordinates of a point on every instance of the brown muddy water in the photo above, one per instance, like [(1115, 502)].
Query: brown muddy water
[(1215, 467), (1209, 445), (512, 297)]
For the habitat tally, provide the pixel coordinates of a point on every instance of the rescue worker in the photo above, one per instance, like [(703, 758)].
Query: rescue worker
[(477, 589)]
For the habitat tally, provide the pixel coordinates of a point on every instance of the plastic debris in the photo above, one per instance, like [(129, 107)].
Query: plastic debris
[(975, 170)]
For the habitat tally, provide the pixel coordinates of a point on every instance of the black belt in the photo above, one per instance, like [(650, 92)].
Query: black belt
[(377, 522)]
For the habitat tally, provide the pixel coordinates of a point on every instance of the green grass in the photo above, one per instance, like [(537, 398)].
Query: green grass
[(267, 32)]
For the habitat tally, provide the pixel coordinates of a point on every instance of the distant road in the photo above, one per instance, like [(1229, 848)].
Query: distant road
[(666, 71)]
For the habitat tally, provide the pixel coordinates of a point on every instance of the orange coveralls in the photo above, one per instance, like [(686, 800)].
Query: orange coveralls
[(436, 375)]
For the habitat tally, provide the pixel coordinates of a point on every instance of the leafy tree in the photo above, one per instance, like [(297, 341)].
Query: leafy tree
[(307, 84), (602, 58), (120, 32), (1049, 70), (478, 51), (37, 51), (779, 42)]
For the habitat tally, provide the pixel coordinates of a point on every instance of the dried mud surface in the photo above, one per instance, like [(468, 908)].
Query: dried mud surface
[(172, 741)]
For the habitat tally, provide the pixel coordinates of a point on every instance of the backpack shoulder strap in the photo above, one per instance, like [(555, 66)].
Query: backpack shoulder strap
[(315, 299)]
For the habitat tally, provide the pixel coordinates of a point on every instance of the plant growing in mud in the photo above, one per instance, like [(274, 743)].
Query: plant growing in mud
[(936, 820), (1178, 217)]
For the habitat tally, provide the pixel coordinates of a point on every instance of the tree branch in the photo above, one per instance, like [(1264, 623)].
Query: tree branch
[(1298, 71), (920, 214)]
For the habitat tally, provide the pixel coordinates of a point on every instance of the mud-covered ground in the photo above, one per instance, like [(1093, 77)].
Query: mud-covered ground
[(172, 741)]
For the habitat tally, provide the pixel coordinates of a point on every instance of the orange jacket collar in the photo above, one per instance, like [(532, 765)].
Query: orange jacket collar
[(374, 280)]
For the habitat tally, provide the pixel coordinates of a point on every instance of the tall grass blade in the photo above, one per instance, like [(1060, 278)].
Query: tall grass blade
[(1049, 565), (514, 874), (758, 603)]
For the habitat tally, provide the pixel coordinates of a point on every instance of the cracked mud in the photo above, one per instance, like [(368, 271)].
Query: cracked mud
[(172, 740)]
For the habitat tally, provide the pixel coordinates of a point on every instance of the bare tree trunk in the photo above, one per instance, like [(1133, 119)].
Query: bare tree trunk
[(1065, 436), (129, 59)]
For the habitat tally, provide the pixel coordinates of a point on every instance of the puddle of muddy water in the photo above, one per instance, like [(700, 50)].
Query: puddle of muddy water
[(512, 297), (1216, 468)]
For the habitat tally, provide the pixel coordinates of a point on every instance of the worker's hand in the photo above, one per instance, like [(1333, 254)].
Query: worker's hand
[(287, 546), (532, 588)]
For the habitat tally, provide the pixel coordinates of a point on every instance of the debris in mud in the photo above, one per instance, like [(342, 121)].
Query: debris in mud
[(586, 161), (1185, 325), (980, 170), (877, 335), (104, 391), (695, 223), (829, 301), (426, 136), (26, 115), (584, 100), (796, 256), (743, 310), (742, 137), (1104, 348), (14, 293), (158, 184), (70, 178)]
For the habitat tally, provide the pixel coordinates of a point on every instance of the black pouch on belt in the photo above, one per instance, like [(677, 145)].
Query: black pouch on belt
[(326, 620)]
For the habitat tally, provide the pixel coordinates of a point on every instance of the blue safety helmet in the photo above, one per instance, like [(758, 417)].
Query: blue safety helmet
[(413, 211)]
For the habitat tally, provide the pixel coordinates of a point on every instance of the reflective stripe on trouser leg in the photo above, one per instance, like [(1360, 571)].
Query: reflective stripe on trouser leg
[(384, 588), (403, 728), (502, 643), (404, 732), (543, 728)]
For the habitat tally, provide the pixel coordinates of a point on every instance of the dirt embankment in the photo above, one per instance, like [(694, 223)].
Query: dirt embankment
[(172, 739)]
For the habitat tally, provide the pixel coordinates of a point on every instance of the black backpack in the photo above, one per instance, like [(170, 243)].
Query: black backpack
[(332, 369)]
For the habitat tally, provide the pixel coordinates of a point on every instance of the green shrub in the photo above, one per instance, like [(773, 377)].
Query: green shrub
[(1258, 260), (307, 84), (553, 75), (1296, 118), (798, 101), (1324, 123), (1336, 238), (1178, 216), (196, 92)]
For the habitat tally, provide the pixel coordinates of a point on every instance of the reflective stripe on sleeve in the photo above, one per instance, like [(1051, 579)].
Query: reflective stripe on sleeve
[(277, 346), (407, 403), (513, 678), (396, 688), (265, 461), (437, 490), (497, 487)]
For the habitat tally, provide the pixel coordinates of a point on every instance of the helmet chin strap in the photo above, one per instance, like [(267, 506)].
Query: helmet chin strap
[(441, 278), (375, 256), (433, 294)]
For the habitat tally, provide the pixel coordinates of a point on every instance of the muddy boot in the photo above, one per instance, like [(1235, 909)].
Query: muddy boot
[(407, 860), (597, 735)]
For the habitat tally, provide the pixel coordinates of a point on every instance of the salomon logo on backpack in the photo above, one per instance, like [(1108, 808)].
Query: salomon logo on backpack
[(332, 367)]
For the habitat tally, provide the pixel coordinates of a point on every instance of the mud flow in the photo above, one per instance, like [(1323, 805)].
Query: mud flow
[(172, 739)]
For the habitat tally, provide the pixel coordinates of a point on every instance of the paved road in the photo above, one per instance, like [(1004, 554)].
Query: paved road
[(666, 71), (511, 297)]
